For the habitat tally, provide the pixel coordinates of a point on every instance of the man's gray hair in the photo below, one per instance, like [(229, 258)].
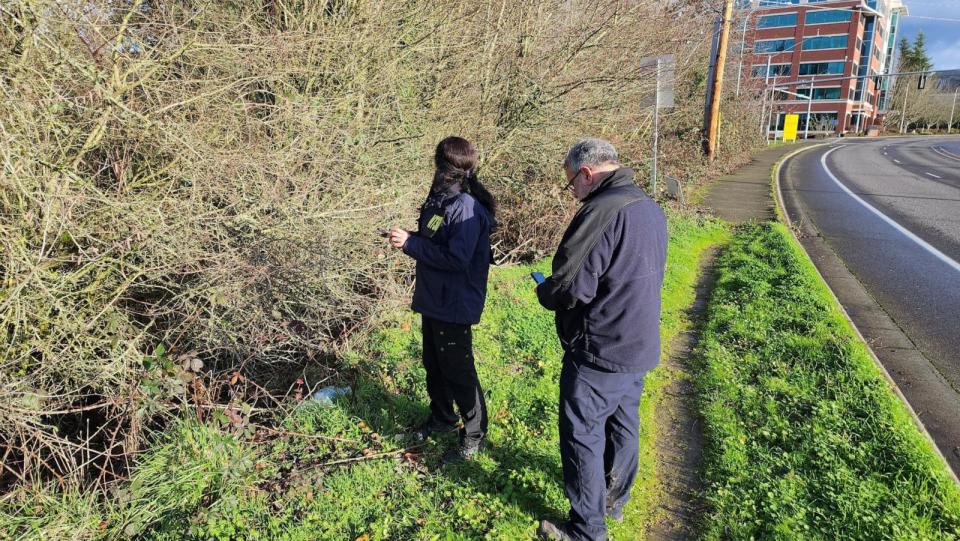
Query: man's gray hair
[(590, 152)]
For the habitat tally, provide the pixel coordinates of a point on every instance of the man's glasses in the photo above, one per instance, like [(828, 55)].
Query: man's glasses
[(569, 185)]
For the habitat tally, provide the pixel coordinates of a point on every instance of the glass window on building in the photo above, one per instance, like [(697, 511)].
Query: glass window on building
[(768, 3), (828, 16), (775, 21), (822, 68), (773, 45), (776, 70), (825, 42), (821, 122), (821, 93)]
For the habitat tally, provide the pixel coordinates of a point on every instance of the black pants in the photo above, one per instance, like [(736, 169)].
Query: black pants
[(452, 377), (599, 442)]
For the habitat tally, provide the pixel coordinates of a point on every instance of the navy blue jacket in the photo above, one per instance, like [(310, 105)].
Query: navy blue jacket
[(452, 250), (608, 301)]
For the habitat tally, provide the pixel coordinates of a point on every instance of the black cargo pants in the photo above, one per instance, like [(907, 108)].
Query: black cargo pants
[(599, 442), (452, 377)]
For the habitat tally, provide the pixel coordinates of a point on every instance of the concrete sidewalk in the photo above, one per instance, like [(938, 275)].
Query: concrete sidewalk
[(745, 194)]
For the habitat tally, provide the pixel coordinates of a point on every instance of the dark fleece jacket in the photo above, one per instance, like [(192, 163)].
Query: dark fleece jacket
[(607, 275)]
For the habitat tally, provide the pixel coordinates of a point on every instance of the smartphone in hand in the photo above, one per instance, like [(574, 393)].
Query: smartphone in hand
[(537, 277)]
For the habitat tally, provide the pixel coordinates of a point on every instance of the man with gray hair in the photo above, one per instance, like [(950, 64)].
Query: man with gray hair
[(605, 290)]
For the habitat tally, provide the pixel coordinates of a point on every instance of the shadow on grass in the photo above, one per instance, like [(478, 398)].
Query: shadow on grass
[(392, 415)]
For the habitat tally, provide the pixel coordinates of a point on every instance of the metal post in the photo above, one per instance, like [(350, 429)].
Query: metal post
[(743, 44), (763, 109), (903, 112), (953, 110), (656, 134), (773, 97), (806, 130)]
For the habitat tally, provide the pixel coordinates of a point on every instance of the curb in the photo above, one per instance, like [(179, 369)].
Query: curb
[(784, 218)]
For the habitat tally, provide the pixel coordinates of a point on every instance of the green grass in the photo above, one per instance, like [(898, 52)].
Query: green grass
[(201, 483), (804, 438)]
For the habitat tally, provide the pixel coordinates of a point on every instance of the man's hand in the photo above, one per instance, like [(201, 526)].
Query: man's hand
[(398, 237)]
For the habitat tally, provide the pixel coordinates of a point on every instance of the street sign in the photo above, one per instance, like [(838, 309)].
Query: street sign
[(664, 69), (790, 124), (675, 190)]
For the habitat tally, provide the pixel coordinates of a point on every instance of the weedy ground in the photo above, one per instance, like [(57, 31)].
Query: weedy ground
[(346, 472), (803, 438)]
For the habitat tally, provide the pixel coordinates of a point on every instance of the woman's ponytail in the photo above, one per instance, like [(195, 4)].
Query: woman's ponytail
[(481, 194)]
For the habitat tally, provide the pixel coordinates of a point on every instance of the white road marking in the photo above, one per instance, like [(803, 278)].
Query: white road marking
[(896, 160), (934, 176), (944, 152), (906, 232)]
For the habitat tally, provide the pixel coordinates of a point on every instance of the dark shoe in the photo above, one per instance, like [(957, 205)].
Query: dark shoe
[(461, 453), (615, 514), (553, 532), (430, 427)]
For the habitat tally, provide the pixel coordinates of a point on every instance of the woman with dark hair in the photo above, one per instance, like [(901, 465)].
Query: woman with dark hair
[(452, 251)]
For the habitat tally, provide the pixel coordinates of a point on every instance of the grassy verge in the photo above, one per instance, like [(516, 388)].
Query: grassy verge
[(323, 476), (804, 438)]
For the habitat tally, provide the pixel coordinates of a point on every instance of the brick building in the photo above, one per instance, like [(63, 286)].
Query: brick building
[(808, 47)]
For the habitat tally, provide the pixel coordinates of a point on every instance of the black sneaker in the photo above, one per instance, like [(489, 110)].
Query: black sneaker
[(430, 427), (553, 532), (461, 453)]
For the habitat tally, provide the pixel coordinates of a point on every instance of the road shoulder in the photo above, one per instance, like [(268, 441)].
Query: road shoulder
[(929, 397)]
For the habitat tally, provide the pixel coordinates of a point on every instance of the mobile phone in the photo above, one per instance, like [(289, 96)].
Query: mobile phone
[(537, 277)]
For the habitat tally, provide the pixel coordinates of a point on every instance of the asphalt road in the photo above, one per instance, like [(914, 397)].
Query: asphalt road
[(890, 210)]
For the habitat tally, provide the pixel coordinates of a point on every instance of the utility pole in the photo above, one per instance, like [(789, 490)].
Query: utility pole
[(718, 80), (806, 130), (953, 110)]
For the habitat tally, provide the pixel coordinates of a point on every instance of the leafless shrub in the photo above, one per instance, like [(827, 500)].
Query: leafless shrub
[(195, 187)]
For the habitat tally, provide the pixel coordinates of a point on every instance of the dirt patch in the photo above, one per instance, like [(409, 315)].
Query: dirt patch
[(680, 429)]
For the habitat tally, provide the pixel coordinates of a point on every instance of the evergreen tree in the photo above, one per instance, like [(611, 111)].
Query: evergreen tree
[(919, 57), (906, 52)]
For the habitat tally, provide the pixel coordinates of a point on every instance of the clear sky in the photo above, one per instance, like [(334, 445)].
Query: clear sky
[(943, 36)]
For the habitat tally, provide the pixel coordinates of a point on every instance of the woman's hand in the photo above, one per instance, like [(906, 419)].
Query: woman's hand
[(398, 237)]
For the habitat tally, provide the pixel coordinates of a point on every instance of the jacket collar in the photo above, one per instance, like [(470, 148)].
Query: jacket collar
[(614, 179)]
